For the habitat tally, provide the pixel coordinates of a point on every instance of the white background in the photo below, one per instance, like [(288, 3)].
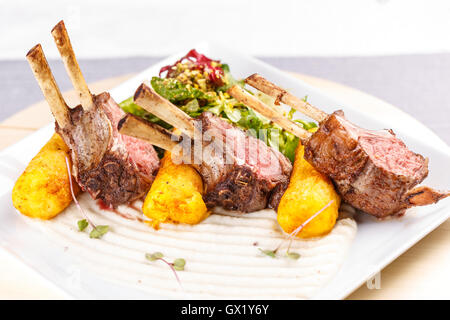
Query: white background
[(264, 28)]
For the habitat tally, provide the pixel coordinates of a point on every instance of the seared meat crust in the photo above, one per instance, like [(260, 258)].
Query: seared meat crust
[(375, 183)]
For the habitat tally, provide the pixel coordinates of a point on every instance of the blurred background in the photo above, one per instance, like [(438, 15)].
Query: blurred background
[(396, 50)]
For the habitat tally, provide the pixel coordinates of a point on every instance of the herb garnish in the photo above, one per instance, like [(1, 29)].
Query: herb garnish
[(82, 224), (270, 253), (291, 236), (197, 84), (98, 231), (293, 255), (153, 256), (177, 265)]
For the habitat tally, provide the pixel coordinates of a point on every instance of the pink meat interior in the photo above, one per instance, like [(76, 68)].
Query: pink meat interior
[(386, 150), (248, 150), (392, 155), (140, 152)]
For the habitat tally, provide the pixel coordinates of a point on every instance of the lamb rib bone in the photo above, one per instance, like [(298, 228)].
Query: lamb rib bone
[(136, 127), (148, 99), (275, 116), (113, 168), (47, 83), (234, 177), (152, 102), (64, 45), (362, 182), (269, 88)]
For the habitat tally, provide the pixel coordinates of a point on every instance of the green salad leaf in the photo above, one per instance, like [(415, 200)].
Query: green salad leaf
[(175, 91), (229, 79), (194, 101), (129, 106)]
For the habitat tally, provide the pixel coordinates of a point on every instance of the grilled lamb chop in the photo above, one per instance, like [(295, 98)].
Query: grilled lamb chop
[(372, 170), (114, 168), (240, 172), (257, 176)]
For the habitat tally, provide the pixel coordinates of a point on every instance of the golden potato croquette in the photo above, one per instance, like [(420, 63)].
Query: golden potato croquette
[(43, 189), (176, 195), (307, 193)]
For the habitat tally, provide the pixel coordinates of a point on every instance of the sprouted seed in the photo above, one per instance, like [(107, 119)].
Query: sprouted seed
[(177, 265), (291, 236)]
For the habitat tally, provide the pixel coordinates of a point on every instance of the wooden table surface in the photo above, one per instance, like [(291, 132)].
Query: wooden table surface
[(420, 273)]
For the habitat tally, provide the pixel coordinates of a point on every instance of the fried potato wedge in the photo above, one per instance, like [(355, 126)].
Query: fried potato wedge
[(43, 189), (307, 193), (176, 195)]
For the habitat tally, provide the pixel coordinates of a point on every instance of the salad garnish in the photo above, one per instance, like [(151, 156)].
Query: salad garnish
[(196, 83), (197, 61)]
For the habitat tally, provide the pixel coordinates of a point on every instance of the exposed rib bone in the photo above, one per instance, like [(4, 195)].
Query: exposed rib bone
[(148, 99), (263, 85), (133, 126), (423, 195), (275, 116), (62, 41), (49, 88)]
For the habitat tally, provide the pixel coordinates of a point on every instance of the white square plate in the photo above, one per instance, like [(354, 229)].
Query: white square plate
[(376, 243)]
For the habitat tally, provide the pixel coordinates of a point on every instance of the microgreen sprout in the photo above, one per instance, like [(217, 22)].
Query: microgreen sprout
[(293, 255), (97, 231), (291, 236), (82, 224), (270, 253), (153, 256), (177, 265)]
